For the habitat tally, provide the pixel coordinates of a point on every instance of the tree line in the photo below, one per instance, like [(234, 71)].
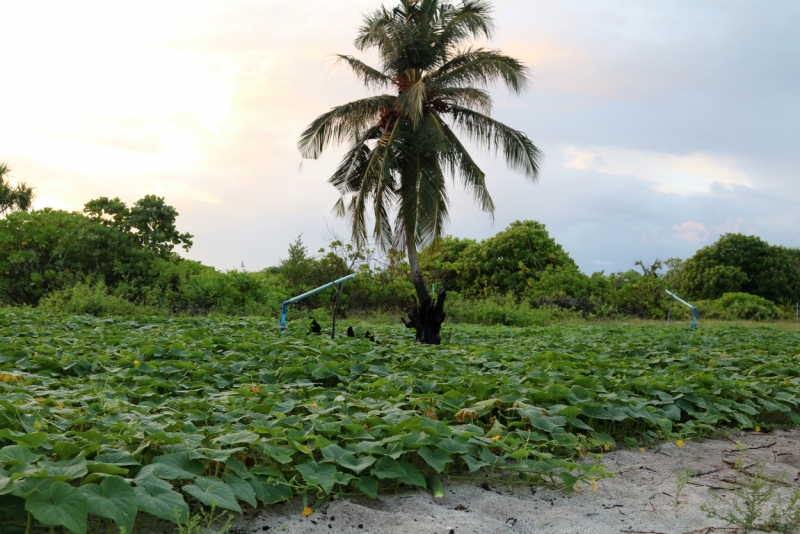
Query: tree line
[(111, 259)]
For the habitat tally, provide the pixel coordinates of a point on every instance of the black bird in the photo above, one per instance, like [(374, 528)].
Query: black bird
[(315, 327), (369, 335), (350, 332)]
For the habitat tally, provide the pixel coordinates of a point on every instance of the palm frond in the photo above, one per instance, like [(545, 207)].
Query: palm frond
[(341, 123), (518, 150), (370, 76), (471, 20), (411, 102), (461, 164), (482, 67), (468, 97)]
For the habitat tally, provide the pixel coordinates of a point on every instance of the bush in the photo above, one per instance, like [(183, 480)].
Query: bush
[(739, 263), (638, 295), (193, 288), (738, 306), (49, 250), (87, 298), (511, 261), (502, 311)]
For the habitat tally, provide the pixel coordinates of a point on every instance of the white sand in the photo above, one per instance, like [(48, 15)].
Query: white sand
[(640, 499)]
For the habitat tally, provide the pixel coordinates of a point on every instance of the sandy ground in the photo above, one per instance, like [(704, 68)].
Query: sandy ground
[(639, 500)]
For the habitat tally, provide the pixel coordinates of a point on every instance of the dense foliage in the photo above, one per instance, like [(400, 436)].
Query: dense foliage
[(47, 250), (165, 414), (18, 197), (739, 263)]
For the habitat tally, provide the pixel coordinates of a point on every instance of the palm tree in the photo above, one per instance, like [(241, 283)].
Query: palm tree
[(402, 142), (14, 198)]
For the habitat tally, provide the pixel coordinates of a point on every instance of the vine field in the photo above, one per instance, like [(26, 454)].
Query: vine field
[(110, 423)]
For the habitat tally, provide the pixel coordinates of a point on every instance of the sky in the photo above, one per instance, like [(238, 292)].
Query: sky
[(664, 123)]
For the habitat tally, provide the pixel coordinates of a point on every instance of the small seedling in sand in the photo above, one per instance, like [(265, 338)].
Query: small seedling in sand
[(206, 522), (681, 480), (758, 505)]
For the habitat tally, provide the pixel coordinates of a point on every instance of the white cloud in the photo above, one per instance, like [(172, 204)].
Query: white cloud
[(731, 226), (690, 231), (669, 173)]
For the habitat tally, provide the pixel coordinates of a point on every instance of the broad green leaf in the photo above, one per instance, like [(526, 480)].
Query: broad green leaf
[(26, 487), (577, 423), (6, 485), (113, 499), (215, 455), (342, 479), (212, 491), (120, 458), (368, 486), (452, 446), (548, 424), (279, 454), (321, 475), (106, 469), (473, 463), (32, 439), (61, 505), (387, 468), (437, 459), (162, 503), (241, 489), (413, 476), (177, 466), (65, 469), (66, 449), (17, 454), (239, 468), (148, 475), (333, 453), (356, 464), (271, 491), (237, 437)]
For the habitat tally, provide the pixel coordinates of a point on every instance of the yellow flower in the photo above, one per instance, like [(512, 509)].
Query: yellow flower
[(575, 487), (135, 362), (307, 511), (758, 429), (255, 389), (594, 485), (641, 449), (607, 447), (495, 438), (679, 443)]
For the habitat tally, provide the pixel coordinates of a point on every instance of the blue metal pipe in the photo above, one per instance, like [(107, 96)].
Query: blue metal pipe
[(694, 309), (285, 305)]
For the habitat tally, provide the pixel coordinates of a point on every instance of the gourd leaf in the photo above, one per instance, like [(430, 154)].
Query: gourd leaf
[(60, 505), (113, 499), (212, 491), (163, 503)]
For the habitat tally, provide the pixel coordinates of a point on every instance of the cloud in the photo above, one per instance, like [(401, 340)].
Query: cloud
[(669, 173), (690, 231)]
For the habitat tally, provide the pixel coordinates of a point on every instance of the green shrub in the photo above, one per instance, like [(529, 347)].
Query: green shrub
[(638, 295), (188, 287), (503, 310), (738, 306), (739, 263), (87, 298)]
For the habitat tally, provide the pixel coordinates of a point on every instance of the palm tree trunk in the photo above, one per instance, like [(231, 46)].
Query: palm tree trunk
[(416, 272), (427, 316)]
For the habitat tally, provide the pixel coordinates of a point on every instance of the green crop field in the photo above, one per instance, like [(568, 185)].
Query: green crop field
[(115, 420)]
